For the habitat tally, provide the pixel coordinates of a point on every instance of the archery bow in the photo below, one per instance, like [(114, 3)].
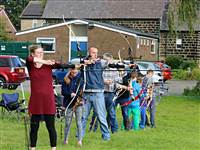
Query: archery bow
[(79, 81)]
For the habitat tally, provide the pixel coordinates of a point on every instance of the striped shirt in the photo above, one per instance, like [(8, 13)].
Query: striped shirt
[(113, 75)]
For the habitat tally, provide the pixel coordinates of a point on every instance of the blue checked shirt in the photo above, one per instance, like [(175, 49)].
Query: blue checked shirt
[(113, 75)]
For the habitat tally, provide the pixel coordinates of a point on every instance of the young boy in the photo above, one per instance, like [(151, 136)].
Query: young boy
[(134, 107), (147, 85)]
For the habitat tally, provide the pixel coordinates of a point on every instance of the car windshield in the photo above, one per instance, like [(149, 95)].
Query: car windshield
[(156, 67), (143, 65), (16, 62), (166, 66)]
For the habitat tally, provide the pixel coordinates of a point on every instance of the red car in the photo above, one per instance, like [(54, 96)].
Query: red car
[(166, 71), (11, 71)]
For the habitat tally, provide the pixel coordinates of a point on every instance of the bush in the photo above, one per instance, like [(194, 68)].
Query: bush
[(196, 74), (177, 62), (193, 92), (188, 64), (181, 74), (174, 61)]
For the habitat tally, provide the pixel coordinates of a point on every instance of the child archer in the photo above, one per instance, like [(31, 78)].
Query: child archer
[(72, 102)]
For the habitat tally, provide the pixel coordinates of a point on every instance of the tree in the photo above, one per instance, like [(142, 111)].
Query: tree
[(14, 8), (182, 12)]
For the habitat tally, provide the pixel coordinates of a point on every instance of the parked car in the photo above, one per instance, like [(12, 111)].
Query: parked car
[(166, 71), (11, 71), (23, 62), (150, 65)]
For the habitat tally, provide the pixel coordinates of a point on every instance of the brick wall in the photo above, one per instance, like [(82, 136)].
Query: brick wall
[(190, 45), (104, 40), (109, 41), (62, 41)]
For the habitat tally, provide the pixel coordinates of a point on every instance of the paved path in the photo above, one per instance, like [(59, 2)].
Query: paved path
[(176, 87)]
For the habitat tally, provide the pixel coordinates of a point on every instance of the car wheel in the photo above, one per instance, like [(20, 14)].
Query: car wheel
[(2, 82)]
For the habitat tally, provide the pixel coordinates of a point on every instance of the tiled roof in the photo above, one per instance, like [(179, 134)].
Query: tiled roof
[(34, 9), (103, 9)]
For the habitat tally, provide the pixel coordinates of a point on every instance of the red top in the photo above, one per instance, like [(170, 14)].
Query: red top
[(42, 99)]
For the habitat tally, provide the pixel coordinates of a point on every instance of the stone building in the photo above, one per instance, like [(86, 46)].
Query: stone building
[(146, 16)]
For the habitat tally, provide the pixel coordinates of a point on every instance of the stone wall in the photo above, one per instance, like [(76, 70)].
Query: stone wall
[(146, 25), (190, 48)]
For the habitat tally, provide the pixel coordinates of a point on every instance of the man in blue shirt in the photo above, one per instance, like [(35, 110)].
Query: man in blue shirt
[(94, 92)]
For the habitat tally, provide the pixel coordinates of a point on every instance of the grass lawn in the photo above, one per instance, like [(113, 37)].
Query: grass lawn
[(177, 121)]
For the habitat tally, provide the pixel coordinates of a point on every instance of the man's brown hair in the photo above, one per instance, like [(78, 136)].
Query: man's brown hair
[(149, 71)]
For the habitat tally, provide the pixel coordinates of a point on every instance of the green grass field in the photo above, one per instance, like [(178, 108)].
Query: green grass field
[(177, 121)]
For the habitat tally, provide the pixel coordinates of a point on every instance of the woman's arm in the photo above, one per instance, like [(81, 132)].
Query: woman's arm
[(31, 59), (42, 61)]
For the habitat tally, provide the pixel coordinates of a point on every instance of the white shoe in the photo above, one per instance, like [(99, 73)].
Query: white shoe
[(80, 143)]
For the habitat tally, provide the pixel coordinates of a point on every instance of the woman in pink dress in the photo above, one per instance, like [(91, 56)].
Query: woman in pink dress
[(42, 102)]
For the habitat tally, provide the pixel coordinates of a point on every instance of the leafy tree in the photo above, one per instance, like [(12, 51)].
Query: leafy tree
[(182, 12), (14, 9)]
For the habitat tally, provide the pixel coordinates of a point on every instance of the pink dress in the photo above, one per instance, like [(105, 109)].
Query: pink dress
[(42, 99)]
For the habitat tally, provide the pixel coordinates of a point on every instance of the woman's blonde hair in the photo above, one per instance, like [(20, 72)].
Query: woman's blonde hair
[(33, 47)]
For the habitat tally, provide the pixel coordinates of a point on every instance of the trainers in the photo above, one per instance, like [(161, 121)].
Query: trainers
[(65, 142), (106, 139), (80, 143)]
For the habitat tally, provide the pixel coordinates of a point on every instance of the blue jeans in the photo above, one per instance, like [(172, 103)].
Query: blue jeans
[(152, 110), (126, 121), (69, 116), (111, 114), (96, 100), (143, 116)]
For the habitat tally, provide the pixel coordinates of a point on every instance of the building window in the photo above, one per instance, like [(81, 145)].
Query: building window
[(141, 41), (48, 44), (34, 23), (153, 46), (144, 41), (178, 43), (147, 42)]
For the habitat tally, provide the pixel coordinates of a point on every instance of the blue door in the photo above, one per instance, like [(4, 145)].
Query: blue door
[(82, 46)]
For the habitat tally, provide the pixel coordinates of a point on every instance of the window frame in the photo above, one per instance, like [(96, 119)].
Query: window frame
[(153, 43), (49, 38), (34, 23), (179, 43)]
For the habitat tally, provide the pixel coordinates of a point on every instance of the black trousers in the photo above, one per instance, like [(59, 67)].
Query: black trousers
[(50, 124)]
